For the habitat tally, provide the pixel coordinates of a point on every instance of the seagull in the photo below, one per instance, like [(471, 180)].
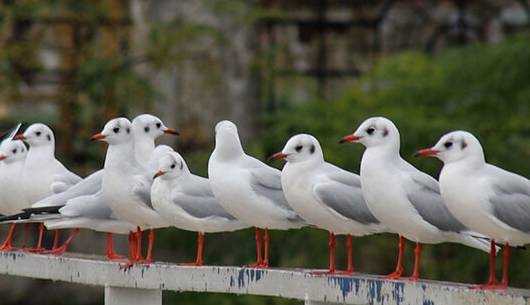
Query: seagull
[(146, 128), (403, 198), (83, 206), (13, 155), (484, 197), (325, 195), (187, 202), (127, 184), (249, 189), (43, 174)]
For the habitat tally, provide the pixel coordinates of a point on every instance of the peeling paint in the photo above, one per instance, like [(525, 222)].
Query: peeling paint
[(374, 291), (346, 284), (398, 292), (252, 275)]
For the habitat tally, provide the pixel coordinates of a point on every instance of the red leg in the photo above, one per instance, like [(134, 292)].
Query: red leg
[(8, 243), (132, 246), (399, 266), (266, 248), (492, 278), (505, 265), (331, 244), (62, 249), (200, 249), (259, 257), (39, 247), (138, 250), (111, 255), (151, 240), (56, 239), (417, 255)]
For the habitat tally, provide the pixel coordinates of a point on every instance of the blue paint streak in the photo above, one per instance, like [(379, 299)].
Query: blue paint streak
[(246, 276), (232, 281), (346, 284), (398, 292), (374, 291)]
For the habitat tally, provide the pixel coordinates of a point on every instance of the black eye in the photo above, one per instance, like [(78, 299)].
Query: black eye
[(128, 130), (38, 133), (448, 144), (146, 128), (173, 166), (298, 148), (158, 125), (312, 149), (370, 130), (116, 130), (14, 151)]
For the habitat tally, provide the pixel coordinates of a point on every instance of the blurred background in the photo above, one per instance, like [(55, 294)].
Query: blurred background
[(276, 68)]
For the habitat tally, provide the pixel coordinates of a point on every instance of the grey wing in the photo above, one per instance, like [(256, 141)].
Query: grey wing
[(511, 202), (201, 205), (267, 182), (423, 192), (345, 200), (87, 186), (90, 206)]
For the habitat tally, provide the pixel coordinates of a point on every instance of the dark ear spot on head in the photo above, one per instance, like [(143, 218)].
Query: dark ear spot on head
[(181, 165), (312, 149), (385, 132), (146, 128), (128, 130), (463, 144), (49, 137)]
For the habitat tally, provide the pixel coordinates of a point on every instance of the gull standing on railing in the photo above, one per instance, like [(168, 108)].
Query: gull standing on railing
[(484, 197)]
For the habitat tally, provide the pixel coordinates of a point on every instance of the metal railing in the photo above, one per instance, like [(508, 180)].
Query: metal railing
[(143, 284)]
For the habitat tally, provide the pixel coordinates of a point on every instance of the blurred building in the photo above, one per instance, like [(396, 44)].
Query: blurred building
[(75, 64)]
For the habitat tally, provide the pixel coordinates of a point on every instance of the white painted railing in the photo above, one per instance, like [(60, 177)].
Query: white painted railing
[(143, 284)]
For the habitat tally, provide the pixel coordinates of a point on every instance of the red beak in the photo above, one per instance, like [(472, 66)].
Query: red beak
[(2, 157), (19, 137), (278, 156), (427, 152), (171, 131), (351, 138), (158, 174), (98, 137)]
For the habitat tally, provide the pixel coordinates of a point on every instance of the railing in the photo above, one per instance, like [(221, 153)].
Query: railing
[(143, 284)]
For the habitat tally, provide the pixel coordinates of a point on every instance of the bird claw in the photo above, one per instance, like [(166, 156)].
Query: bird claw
[(7, 248), (393, 276), (57, 251), (490, 286), (114, 257), (35, 250), (260, 265)]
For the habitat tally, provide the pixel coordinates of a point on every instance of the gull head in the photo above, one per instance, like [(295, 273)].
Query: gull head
[(13, 151), (116, 131), (150, 126), (171, 166), (37, 135), (300, 148), (373, 132), (455, 146), (227, 143)]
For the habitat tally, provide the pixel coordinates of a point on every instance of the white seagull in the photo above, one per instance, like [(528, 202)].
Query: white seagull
[(484, 197), (127, 183), (249, 189), (187, 202), (403, 198), (83, 205), (43, 174), (325, 195), (13, 155)]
